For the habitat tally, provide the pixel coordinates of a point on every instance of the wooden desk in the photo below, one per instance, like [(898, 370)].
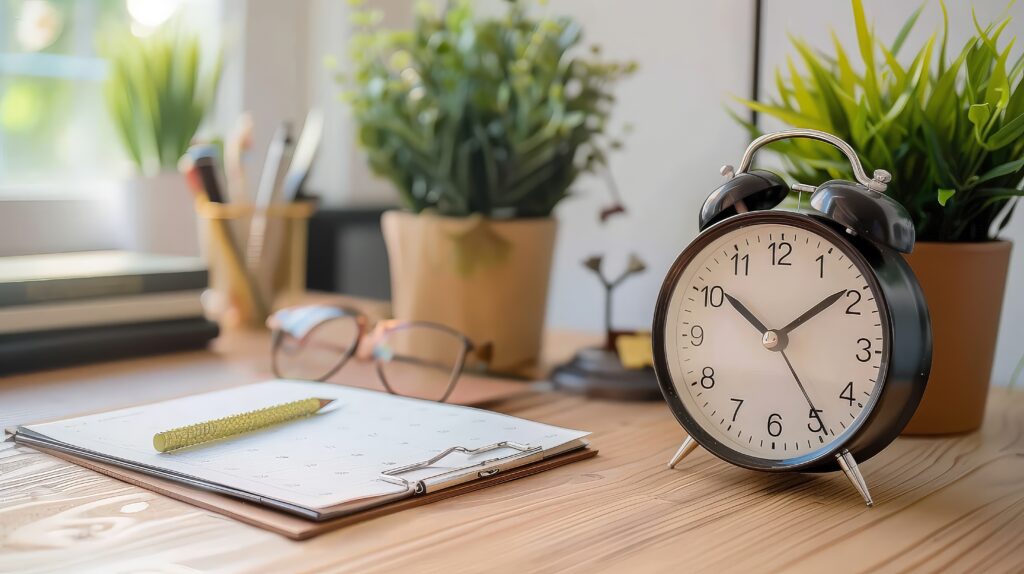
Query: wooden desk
[(954, 503)]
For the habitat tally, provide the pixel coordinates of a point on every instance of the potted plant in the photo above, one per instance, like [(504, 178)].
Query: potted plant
[(157, 94), (482, 125), (949, 124)]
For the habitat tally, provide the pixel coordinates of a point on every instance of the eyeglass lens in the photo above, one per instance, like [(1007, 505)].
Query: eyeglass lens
[(419, 360), (314, 353)]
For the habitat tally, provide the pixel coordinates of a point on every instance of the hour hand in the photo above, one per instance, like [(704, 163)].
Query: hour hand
[(746, 314)]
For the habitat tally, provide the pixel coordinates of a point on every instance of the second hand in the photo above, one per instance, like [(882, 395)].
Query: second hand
[(814, 411)]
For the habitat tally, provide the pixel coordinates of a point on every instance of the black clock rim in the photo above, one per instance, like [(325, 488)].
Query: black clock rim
[(823, 457)]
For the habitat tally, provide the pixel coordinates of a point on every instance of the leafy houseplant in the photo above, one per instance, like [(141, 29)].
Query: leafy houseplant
[(495, 117), (949, 125), (157, 94), (950, 129), (482, 125)]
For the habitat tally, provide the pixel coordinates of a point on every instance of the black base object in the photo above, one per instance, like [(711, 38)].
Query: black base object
[(21, 352), (347, 252), (598, 373)]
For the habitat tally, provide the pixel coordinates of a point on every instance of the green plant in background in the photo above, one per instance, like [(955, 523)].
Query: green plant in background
[(492, 116), (950, 131), (157, 94)]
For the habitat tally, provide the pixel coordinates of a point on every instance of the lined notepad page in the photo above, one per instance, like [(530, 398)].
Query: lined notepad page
[(331, 458)]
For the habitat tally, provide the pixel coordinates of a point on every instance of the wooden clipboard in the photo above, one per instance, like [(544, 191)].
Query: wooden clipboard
[(295, 527)]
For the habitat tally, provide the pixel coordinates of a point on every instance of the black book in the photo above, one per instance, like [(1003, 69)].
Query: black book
[(21, 352), (56, 277)]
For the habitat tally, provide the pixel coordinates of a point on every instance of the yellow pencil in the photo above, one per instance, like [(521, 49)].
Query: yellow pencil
[(199, 433)]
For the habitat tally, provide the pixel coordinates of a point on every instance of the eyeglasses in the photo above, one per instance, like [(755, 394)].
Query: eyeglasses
[(417, 359)]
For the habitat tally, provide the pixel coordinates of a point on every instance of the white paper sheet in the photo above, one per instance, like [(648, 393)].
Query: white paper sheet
[(317, 462)]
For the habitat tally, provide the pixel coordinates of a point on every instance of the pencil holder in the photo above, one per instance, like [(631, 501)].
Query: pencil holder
[(257, 258)]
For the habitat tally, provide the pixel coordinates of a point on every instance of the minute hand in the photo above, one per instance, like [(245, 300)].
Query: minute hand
[(824, 304)]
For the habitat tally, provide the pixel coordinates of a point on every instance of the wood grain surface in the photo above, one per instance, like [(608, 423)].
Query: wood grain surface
[(954, 504)]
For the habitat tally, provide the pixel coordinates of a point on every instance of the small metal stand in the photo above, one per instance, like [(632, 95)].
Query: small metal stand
[(845, 460), (598, 373), (852, 472)]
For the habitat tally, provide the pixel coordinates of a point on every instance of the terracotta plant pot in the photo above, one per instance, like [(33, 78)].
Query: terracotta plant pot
[(963, 284), (487, 278)]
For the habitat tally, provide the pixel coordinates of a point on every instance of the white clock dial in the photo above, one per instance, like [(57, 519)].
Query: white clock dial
[(775, 340)]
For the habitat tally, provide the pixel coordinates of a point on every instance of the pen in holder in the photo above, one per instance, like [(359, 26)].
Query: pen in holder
[(256, 257)]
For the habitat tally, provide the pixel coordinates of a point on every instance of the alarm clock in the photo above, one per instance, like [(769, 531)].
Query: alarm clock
[(794, 340)]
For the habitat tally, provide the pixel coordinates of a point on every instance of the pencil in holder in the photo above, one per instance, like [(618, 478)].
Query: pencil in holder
[(256, 256)]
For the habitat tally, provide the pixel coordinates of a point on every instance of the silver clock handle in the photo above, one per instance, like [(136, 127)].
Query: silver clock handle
[(876, 183)]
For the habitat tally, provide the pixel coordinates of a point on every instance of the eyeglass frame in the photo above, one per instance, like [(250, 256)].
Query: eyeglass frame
[(380, 330)]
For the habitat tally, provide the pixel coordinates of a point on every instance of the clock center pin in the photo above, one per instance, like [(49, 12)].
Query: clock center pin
[(774, 340)]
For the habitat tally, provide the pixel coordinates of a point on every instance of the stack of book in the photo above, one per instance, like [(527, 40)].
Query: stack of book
[(68, 308)]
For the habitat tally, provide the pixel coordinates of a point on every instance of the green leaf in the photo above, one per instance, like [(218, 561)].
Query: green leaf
[(979, 114), (907, 26), (945, 37), (864, 39), (1001, 170), (944, 195), (1000, 192), (1007, 134), (847, 77), (936, 159), (805, 101), (826, 89), (789, 116), (866, 44)]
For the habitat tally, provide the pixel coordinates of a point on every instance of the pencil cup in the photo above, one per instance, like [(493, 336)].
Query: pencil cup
[(257, 257)]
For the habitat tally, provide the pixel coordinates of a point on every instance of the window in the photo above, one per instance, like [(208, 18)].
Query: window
[(55, 134)]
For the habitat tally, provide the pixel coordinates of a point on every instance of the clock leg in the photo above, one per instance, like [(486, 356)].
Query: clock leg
[(688, 445), (852, 472)]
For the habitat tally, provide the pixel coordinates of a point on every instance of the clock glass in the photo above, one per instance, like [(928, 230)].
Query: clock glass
[(776, 337)]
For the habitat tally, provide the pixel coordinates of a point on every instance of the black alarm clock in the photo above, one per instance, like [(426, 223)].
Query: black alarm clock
[(794, 340)]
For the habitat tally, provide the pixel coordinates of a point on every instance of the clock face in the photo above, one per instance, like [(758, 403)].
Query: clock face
[(775, 338)]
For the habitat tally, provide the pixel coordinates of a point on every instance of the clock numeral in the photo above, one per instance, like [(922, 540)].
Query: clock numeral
[(848, 393), (780, 252), (714, 296), (815, 417), (736, 264), (775, 424), (855, 295), (821, 266), (866, 350), (707, 379), (696, 335), (739, 403)]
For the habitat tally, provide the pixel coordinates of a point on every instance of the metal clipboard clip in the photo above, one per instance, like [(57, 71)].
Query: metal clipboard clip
[(419, 486)]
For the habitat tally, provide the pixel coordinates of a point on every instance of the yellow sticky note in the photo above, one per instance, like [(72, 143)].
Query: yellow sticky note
[(635, 350)]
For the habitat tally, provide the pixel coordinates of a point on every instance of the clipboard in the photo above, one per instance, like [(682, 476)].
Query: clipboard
[(266, 479), (297, 528)]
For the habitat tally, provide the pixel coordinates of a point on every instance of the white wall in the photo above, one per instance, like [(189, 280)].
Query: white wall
[(341, 173), (813, 19)]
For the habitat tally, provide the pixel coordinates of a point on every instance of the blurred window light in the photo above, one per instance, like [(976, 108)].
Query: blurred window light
[(148, 15), (151, 13), (39, 24), (55, 131)]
